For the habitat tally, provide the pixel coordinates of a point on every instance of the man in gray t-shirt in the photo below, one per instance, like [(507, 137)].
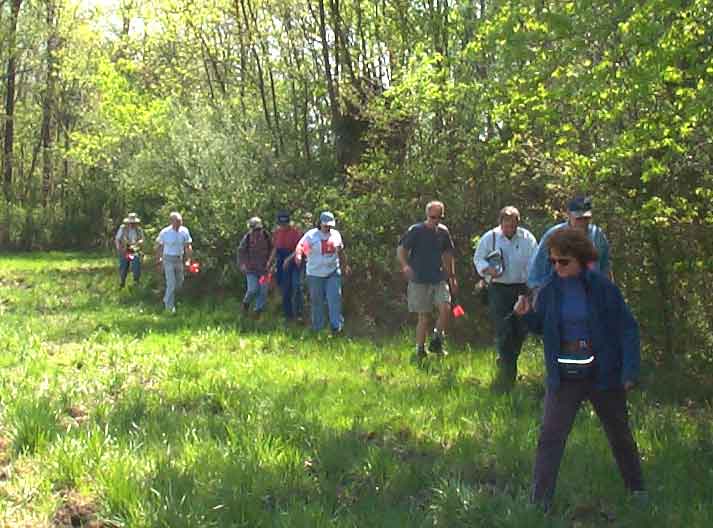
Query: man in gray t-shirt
[(425, 254)]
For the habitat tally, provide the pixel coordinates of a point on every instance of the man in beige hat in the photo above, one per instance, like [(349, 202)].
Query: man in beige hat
[(128, 241)]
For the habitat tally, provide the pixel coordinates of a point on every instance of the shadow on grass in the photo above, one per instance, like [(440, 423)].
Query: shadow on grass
[(237, 453), (217, 452), (54, 256)]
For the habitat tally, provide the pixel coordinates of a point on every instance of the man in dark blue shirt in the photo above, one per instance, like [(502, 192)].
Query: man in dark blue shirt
[(425, 254)]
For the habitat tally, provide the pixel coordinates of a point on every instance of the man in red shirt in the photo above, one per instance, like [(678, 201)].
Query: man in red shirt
[(284, 242)]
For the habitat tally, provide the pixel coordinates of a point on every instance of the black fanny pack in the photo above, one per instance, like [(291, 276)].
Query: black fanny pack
[(576, 361)]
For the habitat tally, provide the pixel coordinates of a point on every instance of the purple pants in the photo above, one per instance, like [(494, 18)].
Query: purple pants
[(561, 407)]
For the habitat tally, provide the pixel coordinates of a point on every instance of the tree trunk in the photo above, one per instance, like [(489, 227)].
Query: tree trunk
[(243, 58), (10, 102), (332, 88), (260, 75), (665, 296), (49, 103)]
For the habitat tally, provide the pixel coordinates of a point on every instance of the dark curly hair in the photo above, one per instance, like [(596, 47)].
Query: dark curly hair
[(570, 242)]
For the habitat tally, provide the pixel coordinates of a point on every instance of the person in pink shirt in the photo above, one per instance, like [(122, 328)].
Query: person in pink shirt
[(288, 275)]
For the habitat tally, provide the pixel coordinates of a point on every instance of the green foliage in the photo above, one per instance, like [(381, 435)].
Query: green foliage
[(223, 110)]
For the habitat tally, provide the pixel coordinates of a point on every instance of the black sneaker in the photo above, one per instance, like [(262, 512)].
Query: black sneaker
[(435, 346), (419, 357)]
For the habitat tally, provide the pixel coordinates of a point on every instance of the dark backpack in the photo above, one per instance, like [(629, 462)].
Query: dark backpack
[(246, 240)]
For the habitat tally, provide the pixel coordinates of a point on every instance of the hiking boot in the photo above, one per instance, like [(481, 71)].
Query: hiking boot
[(435, 346), (419, 357), (640, 498)]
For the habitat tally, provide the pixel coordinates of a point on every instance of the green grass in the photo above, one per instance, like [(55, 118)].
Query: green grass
[(208, 419)]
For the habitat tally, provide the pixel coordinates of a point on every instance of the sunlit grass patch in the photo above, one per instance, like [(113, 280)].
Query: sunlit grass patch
[(110, 407)]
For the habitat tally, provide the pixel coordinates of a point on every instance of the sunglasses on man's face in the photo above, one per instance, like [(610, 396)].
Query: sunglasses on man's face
[(434, 217), (560, 261)]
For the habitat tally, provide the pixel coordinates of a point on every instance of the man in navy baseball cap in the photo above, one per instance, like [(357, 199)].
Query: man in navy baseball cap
[(579, 216)]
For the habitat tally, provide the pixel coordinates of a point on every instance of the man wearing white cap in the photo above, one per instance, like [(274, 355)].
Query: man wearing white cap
[(128, 241), (174, 243), (326, 260)]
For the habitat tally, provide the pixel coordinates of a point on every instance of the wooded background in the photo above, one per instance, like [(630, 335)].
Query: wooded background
[(223, 109)]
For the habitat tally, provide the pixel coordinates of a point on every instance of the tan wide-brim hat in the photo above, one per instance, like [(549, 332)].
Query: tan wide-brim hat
[(132, 218)]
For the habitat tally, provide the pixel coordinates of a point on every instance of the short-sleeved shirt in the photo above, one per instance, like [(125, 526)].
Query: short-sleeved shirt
[(426, 247), (173, 241), (322, 252), (129, 235), (286, 238)]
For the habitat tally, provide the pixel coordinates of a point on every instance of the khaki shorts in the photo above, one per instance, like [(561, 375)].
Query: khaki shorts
[(423, 297)]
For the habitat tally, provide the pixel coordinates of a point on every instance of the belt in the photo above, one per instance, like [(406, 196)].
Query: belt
[(503, 284), (576, 347)]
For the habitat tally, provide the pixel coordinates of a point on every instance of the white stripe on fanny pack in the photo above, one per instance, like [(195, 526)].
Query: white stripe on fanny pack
[(576, 361)]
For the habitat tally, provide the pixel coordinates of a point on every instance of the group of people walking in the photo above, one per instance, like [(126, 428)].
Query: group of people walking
[(284, 251), (261, 257), (561, 288)]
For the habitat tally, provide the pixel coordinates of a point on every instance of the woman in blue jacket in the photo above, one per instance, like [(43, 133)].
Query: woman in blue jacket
[(591, 349)]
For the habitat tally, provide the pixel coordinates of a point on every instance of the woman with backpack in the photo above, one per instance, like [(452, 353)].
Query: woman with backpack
[(253, 253)]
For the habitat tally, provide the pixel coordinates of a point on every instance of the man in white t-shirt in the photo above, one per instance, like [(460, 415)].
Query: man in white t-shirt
[(326, 261), (173, 245)]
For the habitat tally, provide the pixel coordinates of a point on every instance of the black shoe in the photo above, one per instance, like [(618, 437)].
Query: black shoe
[(122, 284), (419, 357), (246, 307), (435, 346)]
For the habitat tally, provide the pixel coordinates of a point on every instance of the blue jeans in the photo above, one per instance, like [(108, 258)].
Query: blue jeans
[(327, 289), (173, 272), (124, 265), (290, 283), (256, 291)]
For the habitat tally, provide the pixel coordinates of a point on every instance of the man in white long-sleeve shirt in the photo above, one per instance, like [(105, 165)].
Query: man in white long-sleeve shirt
[(174, 243), (502, 257)]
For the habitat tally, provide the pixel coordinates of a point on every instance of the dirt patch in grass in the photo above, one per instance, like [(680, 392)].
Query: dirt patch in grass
[(4, 458), (14, 283), (76, 511)]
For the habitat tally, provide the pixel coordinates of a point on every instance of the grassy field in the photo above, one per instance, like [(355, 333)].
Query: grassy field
[(115, 414)]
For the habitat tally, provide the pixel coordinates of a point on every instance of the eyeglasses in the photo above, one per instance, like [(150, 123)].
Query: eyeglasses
[(434, 217), (560, 261)]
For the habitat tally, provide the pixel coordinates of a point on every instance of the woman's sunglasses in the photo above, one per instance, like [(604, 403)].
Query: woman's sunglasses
[(561, 261)]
